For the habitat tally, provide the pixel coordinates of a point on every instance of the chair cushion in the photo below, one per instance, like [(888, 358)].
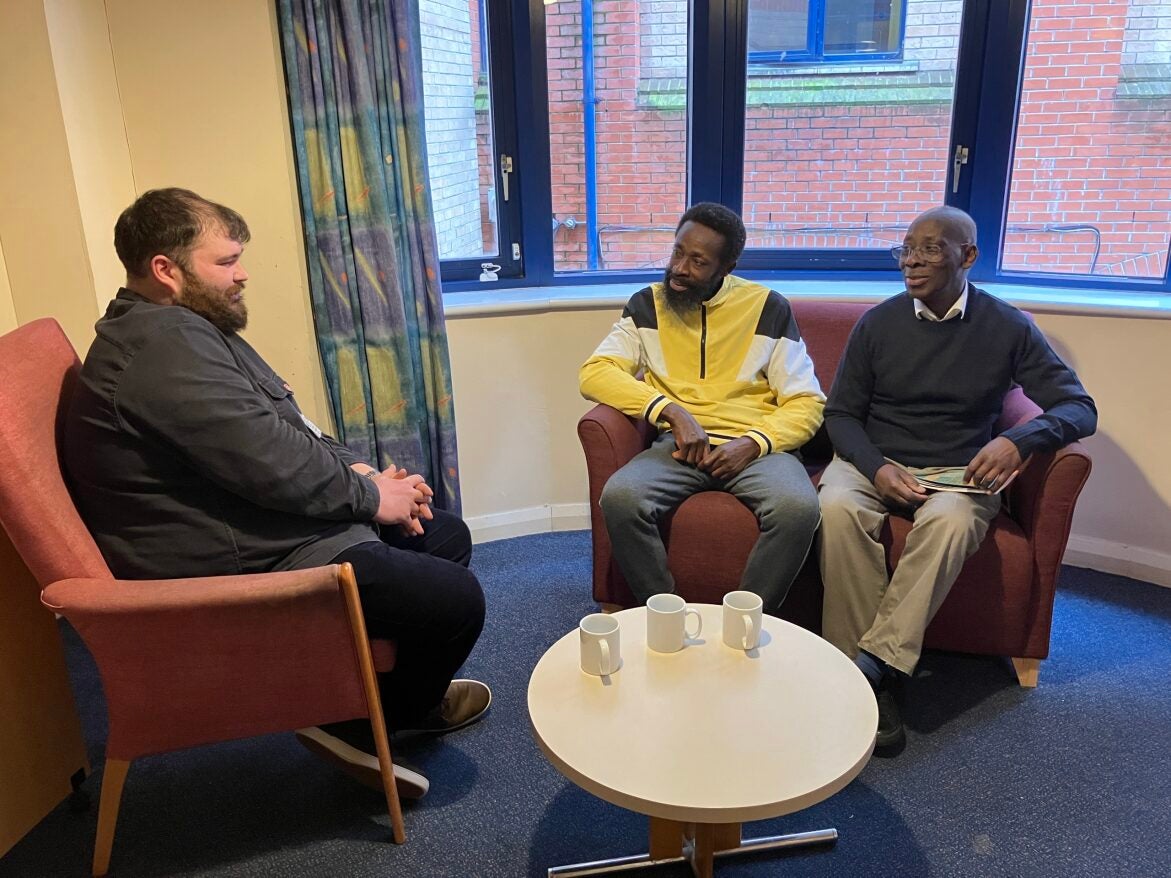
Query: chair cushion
[(708, 540)]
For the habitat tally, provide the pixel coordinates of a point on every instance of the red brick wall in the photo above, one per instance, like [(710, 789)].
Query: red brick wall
[(1085, 156), (872, 169)]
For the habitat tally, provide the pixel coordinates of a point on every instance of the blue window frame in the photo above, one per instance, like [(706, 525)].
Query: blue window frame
[(824, 31), (987, 87), (494, 68)]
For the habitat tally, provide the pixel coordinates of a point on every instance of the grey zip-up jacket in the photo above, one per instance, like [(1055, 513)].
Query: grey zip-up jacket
[(187, 455)]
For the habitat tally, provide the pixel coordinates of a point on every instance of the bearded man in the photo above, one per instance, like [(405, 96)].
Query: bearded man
[(717, 364), (188, 456)]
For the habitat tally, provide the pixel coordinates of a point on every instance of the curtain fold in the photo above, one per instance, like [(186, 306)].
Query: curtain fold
[(354, 75)]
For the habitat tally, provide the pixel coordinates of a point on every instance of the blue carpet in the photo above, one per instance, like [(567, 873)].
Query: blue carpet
[(1069, 779)]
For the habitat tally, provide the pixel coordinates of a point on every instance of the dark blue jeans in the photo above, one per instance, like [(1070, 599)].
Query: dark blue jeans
[(419, 592)]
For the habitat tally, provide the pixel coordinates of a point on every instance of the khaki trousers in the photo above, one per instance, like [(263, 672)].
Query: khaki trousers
[(862, 609)]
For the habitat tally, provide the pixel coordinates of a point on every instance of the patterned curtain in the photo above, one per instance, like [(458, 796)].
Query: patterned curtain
[(356, 100)]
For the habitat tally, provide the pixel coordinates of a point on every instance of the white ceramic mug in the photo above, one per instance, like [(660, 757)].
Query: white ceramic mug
[(742, 611), (666, 622), (601, 649)]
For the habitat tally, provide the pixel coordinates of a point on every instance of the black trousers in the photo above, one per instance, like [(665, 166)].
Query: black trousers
[(419, 592)]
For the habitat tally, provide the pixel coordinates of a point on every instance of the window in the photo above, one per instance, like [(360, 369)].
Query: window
[(1090, 190), (793, 31), (476, 222), (829, 124), (846, 160), (617, 130)]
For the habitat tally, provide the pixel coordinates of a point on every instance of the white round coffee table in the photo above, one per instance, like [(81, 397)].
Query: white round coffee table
[(706, 738)]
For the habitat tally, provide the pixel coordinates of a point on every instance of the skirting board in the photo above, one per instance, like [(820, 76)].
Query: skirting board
[(533, 520), (1118, 558), (1106, 556)]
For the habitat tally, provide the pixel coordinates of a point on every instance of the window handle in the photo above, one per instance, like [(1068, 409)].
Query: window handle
[(960, 159), (505, 170)]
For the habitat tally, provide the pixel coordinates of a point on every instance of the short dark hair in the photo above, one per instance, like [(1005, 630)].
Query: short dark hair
[(719, 219), (170, 222)]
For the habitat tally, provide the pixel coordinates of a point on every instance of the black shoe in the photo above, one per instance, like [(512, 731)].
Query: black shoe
[(359, 762), (891, 737)]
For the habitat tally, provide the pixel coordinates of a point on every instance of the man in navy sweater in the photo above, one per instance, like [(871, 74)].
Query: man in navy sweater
[(921, 382)]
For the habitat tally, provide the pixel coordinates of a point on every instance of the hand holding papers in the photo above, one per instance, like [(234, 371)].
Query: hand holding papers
[(953, 478)]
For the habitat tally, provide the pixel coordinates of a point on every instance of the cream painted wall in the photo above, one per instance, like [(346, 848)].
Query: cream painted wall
[(516, 407), (40, 216), (202, 90), (151, 93), (88, 92), (1124, 364)]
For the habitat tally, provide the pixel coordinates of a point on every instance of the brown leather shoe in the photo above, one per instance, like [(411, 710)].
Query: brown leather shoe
[(360, 765), (466, 702)]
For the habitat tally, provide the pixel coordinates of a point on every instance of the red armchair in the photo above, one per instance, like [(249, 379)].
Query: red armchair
[(1002, 604), (183, 662)]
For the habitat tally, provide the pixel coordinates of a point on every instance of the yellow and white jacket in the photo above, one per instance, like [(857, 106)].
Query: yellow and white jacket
[(737, 364)]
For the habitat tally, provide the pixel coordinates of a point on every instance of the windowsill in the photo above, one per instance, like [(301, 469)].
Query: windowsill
[(501, 300), (899, 83), (853, 67)]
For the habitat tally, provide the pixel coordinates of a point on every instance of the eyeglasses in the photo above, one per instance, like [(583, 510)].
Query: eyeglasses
[(929, 252)]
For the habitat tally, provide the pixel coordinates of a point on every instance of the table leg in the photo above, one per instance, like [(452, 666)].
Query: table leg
[(666, 838), (726, 836), (702, 850), (698, 843), (707, 839)]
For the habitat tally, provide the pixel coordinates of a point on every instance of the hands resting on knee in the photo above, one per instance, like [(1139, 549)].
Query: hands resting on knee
[(692, 447), (403, 499)]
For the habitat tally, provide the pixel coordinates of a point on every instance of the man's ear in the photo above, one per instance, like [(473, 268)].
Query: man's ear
[(727, 271), (970, 257), (165, 271)]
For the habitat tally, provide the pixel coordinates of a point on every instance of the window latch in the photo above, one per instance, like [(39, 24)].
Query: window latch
[(505, 170), (960, 159)]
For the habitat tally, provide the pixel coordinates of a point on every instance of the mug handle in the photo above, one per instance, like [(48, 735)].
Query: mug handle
[(749, 632), (604, 664), (698, 624)]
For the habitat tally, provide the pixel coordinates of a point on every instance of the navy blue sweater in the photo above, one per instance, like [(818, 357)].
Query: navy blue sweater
[(929, 394)]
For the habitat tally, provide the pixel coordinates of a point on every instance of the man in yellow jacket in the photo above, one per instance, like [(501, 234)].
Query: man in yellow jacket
[(728, 382)]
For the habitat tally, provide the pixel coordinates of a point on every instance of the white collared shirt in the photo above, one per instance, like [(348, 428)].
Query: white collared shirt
[(956, 310)]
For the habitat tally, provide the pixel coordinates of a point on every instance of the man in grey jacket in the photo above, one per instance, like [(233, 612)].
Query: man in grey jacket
[(188, 456)]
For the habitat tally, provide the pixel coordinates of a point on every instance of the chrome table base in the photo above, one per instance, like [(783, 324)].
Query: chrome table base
[(643, 861)]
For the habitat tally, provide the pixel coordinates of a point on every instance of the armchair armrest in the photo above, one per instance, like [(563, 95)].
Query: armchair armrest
[(1017, 409), (1042, 500), (1042, 497), (610, 439), (192, 661)]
